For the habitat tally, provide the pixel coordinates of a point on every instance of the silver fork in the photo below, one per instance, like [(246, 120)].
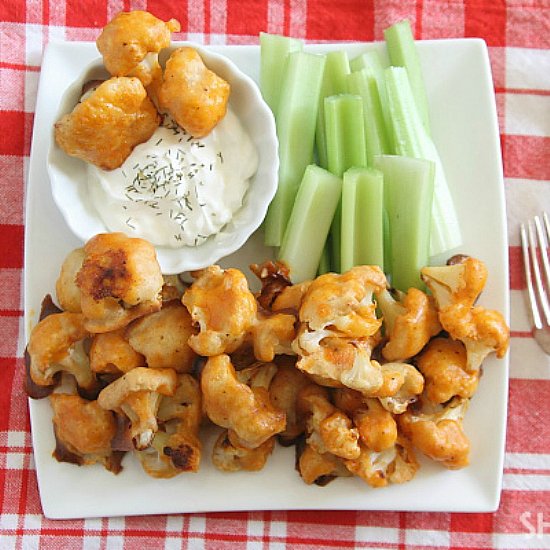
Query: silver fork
[(534, 242)]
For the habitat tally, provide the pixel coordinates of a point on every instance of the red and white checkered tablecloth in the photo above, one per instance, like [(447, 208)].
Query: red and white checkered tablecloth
[(518, 35)]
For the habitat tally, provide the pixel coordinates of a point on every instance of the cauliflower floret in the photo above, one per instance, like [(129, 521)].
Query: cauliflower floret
[(273, 335), (460, 282), (111, 353), (56, 345), (443, 364), (437, 431), (120, 280), (409, 323), (377, 427), (229, 458), (137, 395), (221, 303), (329, 430), (319, 468), (247, 412), (482, 331), (66, 289), (130, 43), (194, 96), (408, 391), (396, 464), (162, 337)]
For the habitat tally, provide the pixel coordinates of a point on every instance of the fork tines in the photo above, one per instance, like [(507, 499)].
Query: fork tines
[(534, 243)]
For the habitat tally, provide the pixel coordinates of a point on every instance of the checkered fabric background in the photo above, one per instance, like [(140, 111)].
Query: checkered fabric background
[(518, 35)]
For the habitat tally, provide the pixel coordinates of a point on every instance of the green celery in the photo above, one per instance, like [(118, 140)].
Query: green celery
[(309, 223), (377, 140), (296, 120), (408, 195), (274, 49), (334, 82), (362, 237), (403, 53), (412, 140), (324, 262)]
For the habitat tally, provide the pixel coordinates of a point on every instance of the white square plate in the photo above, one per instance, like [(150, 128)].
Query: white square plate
[(463, 114)]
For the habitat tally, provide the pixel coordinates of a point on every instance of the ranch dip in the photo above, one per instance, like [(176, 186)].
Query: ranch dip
[(177, 190)]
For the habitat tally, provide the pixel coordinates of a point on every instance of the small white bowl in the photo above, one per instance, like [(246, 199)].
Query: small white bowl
[(68, 175)]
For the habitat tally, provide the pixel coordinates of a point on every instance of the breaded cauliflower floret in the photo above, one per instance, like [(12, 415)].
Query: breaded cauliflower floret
[(377, 427), (443, 364), (194, 96), (130, 43), (437, 431), (104, 128), (120, 280), (110, 352), (319, 468), (162, 337), (137, 394), (83, 432), (409, 322), (273, 335), (221, 303), (176, 447), (407, 392), (247, 412), (66, 289), (229, 458), (56, 345)]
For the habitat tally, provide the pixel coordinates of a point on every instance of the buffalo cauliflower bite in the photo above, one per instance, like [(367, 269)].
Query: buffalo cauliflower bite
[(194, 96), (56, 345), (130, 43), (229, 458), (176, 447), (443, 363), (247, 412), (221, 303), (409, 323), (437, 431), (162, 337), (283, 392), (395, 464), (120, 280), (137, 395), (66, 289), (104, 127), (273, 335), (111, 353), (319, 468), (376, 426), (83, 432), (328, 429), (408, 390)]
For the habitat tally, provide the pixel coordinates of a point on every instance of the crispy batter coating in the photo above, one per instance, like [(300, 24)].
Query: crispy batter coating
[(176, 447), (131, 41), (247, 412), (396, 464), (273, 335), (229, 458), (409, 323), (329, 430), (319, 468), (66, 289), (409, 390), (443, 364), (110, 352), (437, 432), (283, 391), (84, 429), (194, 96), (120, 280), (291, 297), (347, 400), (377, 427), (104, 128), (162, 338), (224, 308), (137, 395), (56, 345)]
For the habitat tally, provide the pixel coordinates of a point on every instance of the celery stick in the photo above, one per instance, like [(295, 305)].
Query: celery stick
[(412, 140), (309, 223), (324, 262), (334, 82), (273, 51), (345, 131), (403, 53), (408, 194), (296, 120), (376, 136)]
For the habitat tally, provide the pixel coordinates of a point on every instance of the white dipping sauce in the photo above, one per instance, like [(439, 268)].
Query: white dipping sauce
[(176, 190)]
